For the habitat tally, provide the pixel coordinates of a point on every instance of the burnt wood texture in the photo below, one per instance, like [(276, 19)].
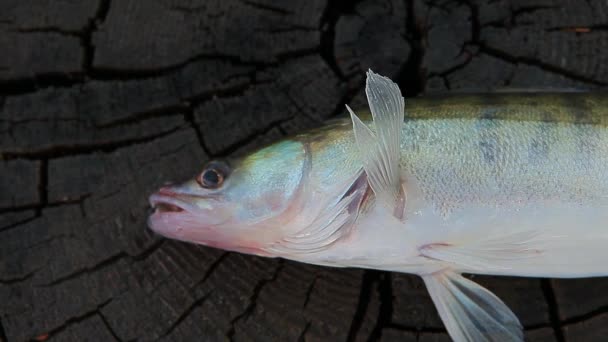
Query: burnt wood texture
[(102, 101)]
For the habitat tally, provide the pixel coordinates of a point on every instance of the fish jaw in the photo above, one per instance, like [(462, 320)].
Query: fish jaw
[(176, 217)]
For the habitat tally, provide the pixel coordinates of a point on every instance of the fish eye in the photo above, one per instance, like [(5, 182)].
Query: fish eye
[(213, 175)]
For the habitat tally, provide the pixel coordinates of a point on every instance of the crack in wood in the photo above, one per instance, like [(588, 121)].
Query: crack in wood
[(475, 21), (294, 54), (17, 223), (38, 208), (385, 313), (184, 108), (50, 29), (59, 79), (414, 329), (253, 300), (188, 9), (299, 109), (185, 314), (290, 29), (211, 269), (3, 337), (44, 242), (138, 117), (309, 291), (67, 80), (602, 310), (267, 7), (327, 25), (302, 337), (549, 294), (514, 59), (348, 96), (475, 34), (74, 320), (105, 263), (86, 39), (110, 74), (24, 86), (527, 10), (43, 180), (41, 205), (368, 281), (102, 11), (411, 77), (189, 117), (456, 67), (13, 122), (487, 49), (86, 270), (91, 73), (580, 29), (203, 97), (143, 255), (15, 280), (497, 53), (108, 326), (60, 150)]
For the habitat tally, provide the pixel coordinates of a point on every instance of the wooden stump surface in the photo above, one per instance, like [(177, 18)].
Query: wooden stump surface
[(103, 101)]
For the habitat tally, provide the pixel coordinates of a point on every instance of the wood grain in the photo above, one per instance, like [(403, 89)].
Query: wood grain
[(102, 101)]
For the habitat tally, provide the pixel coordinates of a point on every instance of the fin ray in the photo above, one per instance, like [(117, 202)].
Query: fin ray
[(494, 252), (329, 226), (380, 150), (469, 311)]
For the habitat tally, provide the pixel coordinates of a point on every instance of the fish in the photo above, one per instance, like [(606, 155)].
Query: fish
[(511, 184)]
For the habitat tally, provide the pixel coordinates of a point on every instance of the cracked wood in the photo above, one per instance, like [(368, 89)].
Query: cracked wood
[(103, 101)]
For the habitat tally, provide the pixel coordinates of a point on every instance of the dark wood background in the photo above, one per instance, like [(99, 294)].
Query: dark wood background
[(102, 101)]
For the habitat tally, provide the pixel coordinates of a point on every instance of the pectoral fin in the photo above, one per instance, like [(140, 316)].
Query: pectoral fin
[(333, 223), (469, 311), (379, 150)]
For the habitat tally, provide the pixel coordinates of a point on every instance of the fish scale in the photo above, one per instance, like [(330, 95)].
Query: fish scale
[(467, 153), (471, 165)]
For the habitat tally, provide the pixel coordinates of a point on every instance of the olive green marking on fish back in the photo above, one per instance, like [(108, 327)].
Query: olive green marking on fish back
[(582, 113), (568, 108), (577, 108), (581, 110)]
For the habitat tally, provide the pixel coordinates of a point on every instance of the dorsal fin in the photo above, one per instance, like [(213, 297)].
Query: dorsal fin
[(379, 150)]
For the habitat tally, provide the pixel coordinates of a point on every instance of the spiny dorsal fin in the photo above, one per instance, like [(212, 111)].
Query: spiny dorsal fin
[(380, 150)]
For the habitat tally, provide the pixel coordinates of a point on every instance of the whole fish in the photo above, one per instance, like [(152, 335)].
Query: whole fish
[(501, 184)]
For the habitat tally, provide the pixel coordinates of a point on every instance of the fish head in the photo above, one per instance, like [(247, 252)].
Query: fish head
[(234, 205)]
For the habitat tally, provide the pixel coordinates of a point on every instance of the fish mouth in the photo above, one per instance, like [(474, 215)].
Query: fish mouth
[(167, 207), (163, 204)]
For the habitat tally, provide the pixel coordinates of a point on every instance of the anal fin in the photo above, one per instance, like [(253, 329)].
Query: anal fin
[(471, 312)]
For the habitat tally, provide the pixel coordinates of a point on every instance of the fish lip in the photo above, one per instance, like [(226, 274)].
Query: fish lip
[(157, 200)]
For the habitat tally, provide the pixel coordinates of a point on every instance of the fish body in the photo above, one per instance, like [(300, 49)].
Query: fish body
[(490, 164), (505, 184)]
